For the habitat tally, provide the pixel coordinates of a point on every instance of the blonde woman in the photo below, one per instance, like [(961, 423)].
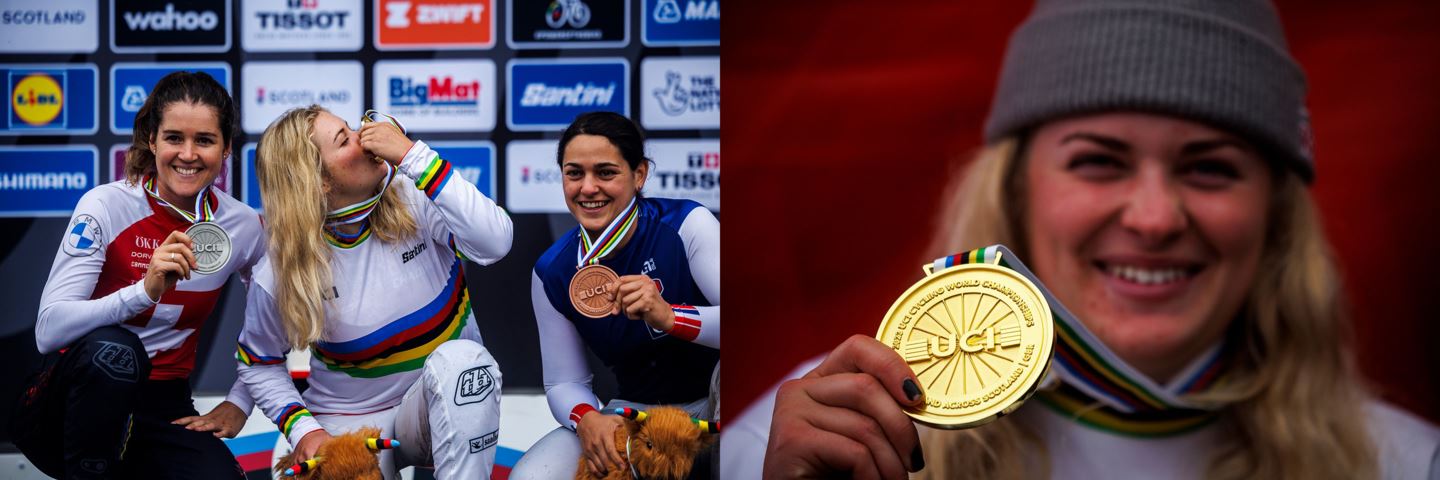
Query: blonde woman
[(368, 236), (1161, 197)]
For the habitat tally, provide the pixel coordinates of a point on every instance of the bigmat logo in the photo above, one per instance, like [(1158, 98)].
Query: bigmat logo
[(685, 169), (271, 88), (151, 26), (117, 167), (49, 26), (548, 94), (431, 96), (434, 24), (49, 99), (45, 181), (680, 23), (532, 180), (130, 84), (568, 23), (680, 93), (301, 25), (474, 161)]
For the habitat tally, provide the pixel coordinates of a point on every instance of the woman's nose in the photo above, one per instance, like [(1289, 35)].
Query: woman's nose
[(1155, 210)]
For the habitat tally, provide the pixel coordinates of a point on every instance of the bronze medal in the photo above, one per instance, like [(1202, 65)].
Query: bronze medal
[(589, 290)]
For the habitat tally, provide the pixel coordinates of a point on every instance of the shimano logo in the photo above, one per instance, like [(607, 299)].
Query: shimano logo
[(438, 91), (169, 19), (406, 257), (580, 95), (44, 181)]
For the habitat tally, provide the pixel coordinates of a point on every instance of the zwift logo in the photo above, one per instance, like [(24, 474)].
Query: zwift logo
[(169, 19)]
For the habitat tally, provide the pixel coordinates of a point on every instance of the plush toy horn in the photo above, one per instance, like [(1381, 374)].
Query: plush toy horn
[(706, 426), (377, 444), (303, 467), (627, 412)]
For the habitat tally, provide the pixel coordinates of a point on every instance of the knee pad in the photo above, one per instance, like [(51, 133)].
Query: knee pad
[(113, 352), (476, 374)]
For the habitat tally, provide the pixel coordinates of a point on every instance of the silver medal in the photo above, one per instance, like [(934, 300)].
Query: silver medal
[(211, 247)]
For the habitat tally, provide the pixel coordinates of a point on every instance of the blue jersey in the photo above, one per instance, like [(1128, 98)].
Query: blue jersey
[(650, 366)]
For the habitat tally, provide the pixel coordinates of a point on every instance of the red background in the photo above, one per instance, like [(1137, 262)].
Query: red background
[(850, 116)]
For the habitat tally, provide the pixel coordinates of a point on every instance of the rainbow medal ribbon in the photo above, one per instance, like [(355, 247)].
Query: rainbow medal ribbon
[(356, 213), (209, 241), (592, 280)]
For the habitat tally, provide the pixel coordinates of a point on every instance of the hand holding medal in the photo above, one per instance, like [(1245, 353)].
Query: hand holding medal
[(206, 245), (592, 288), (638, 298), (385, 144)]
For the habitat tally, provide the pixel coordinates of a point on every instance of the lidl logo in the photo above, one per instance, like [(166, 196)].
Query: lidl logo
[(37, 97), (58, 99)]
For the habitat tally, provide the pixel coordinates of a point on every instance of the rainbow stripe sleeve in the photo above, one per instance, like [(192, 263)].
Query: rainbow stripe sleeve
[(289, 416), (247, 356), (435, 177)]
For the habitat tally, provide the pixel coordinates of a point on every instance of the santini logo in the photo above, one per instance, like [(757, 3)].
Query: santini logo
[(581, 95), (172, 20)]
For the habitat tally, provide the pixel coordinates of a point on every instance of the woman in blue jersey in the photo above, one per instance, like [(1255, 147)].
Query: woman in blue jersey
[(368, 236), (128, 293), (655, 322)]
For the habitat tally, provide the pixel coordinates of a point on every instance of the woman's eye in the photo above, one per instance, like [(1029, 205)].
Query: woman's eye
[(1096, 166), (573, 174), (608, 173), (1211, 173)]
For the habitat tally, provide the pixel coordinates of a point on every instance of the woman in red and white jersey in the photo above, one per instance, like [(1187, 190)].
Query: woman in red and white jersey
[(139, 269)]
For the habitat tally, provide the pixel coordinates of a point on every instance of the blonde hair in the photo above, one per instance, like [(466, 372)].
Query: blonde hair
[(292, 187), (1293, 392)]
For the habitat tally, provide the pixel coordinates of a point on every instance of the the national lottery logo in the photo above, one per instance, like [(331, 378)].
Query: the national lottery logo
[(546, 95), (680, 93)]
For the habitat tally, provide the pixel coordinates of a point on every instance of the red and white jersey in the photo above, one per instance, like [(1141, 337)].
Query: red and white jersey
[(96, 279)]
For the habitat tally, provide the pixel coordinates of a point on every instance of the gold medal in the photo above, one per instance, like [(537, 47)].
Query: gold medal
[(588, 289), (978, 337)]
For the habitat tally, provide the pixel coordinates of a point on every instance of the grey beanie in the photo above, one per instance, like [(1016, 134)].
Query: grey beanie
[(1221, 62)]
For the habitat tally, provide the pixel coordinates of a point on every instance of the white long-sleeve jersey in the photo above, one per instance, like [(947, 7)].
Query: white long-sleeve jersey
[(97, 278), (677, 244), (390, 306)]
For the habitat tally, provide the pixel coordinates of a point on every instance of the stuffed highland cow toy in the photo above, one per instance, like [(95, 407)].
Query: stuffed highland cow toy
[(348, 456), (659, 443)]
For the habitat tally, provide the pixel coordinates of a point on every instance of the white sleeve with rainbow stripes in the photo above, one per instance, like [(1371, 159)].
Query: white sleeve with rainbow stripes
[(474, 225), (261, 366), (700, 232), (562, 359)]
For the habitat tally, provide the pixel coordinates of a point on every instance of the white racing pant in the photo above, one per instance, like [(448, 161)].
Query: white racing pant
[(448, 419)]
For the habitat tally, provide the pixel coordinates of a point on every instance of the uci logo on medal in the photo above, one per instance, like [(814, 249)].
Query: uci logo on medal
[(37, 99)]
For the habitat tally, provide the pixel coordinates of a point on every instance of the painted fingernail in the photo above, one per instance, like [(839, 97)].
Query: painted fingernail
[(917, 459), (912, 391)]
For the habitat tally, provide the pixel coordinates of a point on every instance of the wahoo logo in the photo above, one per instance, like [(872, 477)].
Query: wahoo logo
[(169, 19), (435, 91), (474, 385), (152, 26), (548, 94)]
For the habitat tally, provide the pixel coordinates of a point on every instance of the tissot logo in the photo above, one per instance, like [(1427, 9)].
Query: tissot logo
[(685, 169), (144, 26), (301, 25)]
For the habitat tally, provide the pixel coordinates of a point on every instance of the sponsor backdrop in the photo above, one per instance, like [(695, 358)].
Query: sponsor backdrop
[(488, 83)]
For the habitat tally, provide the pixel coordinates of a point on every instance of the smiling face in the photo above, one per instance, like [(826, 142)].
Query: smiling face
[(350, 174), (598, 183), (188, 151), (1149, 228)]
